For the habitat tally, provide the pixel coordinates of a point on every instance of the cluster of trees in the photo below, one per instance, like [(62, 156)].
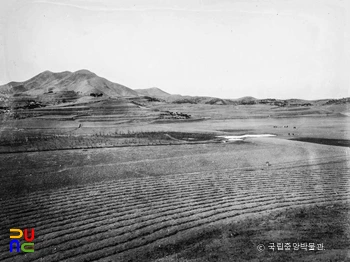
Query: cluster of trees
[(96, 94), (34, 104), (338, 101), (175, 115)]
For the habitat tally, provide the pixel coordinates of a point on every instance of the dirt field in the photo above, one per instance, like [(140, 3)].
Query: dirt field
[(140, 191)]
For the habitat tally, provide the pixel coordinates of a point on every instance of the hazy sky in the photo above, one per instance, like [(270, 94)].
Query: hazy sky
[(229, 49)]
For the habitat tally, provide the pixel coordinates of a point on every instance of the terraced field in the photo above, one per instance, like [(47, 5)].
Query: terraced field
[(115, 220), (105, 110)]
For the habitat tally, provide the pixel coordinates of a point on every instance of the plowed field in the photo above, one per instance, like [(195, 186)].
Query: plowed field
[(110, 220)]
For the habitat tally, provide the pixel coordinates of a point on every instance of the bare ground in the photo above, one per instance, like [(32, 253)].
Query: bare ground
[(177, 202)]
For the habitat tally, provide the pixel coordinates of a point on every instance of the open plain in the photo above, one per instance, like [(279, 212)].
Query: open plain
[(143, 179)]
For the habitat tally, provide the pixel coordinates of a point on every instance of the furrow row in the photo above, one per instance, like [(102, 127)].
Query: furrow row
[(112, 245)]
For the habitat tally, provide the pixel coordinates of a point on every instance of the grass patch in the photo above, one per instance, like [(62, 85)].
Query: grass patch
[(324, 141), (37, 141), (186, 136), (235, 130)]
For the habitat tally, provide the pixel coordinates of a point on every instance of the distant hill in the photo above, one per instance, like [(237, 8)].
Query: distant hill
[(153, 92), (179, 99), (248, 100), (82, 82), (48, 88)]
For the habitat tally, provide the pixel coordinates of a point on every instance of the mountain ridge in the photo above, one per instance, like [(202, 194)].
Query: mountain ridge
[(82, 82), (55, 87)]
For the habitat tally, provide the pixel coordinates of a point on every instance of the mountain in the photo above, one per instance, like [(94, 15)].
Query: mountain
[(153, 92), (51, 88), (82, 82)]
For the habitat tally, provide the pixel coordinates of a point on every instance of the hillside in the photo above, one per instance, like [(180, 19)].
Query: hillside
[(153, 92), (82, 82)]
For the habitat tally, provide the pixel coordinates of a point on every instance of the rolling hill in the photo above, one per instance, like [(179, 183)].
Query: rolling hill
[(153, 92), (82, 82), (48, 88)]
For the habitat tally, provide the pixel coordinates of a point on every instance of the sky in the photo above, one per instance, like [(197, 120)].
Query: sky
[(229, 49)]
